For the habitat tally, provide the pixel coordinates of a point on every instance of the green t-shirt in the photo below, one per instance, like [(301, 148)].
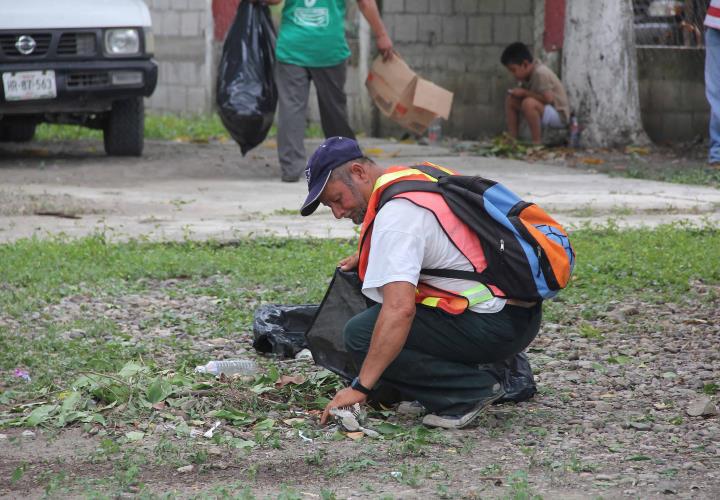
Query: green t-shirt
[(312, 33)]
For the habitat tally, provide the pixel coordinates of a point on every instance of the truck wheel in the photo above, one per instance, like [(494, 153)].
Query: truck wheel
[(17, 131), (124, 129)]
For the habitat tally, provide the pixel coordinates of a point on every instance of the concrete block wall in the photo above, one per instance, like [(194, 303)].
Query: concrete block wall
[(457, 44), (183, 50), (672, 93)]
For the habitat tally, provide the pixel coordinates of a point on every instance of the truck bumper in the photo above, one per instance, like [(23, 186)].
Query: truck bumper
[(84, 86)]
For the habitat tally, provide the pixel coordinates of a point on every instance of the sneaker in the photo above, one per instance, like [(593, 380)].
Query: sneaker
[(460, 421)]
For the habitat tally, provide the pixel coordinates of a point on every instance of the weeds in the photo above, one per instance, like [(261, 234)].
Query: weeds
[(504, 146), (197, 129), (520, 488)]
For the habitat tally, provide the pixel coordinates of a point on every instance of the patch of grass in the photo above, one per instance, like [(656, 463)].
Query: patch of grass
[(685, 173), (168, 127), (645, 263), (74, 376), (520, 487), (710, 389)]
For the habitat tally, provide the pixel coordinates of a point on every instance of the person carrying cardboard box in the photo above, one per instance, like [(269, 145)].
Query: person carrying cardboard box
[(311, 46), (540, 97)]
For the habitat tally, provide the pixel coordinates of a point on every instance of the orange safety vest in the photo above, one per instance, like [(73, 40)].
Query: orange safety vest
[(466, 240)]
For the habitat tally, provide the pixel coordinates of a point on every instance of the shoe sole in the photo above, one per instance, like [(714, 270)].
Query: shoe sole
[(466, 419)]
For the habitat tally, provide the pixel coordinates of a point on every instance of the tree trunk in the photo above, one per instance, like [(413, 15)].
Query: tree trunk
[(599, 70)]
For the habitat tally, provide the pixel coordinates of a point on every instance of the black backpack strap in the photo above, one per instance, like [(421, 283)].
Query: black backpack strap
[(431, 171), (454, 273)]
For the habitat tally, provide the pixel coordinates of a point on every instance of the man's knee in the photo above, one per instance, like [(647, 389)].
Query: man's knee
[(356, 335)]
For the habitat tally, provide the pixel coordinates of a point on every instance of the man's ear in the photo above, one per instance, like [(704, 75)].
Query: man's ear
[(359, 171)]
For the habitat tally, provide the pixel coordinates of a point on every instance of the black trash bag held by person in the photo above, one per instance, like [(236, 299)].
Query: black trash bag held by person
[(246, 91), (277, 328), (324, 335), (281, 329)]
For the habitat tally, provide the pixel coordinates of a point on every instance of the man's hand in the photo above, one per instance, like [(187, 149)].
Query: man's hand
[(369, 9), (389, 335), (518, 92), (385, 46), (344, 397), (349, 263)]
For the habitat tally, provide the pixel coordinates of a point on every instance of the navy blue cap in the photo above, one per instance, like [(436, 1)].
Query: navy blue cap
[(332, 153)]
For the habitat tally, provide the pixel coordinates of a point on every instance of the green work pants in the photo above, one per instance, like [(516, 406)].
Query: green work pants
[(438, 366)]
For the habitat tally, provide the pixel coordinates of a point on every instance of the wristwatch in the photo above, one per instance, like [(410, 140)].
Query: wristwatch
[(355, 384)]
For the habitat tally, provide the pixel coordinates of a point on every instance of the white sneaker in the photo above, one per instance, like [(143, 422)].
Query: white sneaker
[(460, 421)]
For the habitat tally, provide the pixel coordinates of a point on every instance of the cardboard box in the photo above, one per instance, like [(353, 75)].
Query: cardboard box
[(404, 97)]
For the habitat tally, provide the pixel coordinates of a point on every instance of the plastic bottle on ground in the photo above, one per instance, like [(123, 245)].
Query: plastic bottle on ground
[(574, 132), (229, 367), (435, 131)]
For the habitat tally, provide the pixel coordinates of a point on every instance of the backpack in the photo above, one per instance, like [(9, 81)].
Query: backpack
[(529, 255)]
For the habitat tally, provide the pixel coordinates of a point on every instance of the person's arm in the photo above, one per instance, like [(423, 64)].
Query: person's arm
[(544, 97), (370, 11), (388, 338)]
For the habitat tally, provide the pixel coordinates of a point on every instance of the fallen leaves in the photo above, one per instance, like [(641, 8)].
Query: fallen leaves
[(289, 379), (592, 161)]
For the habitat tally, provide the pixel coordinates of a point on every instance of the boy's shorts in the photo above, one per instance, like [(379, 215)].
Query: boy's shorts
[(551, 117)]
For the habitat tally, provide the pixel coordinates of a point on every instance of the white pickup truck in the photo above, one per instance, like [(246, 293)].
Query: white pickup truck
[(82, 62)]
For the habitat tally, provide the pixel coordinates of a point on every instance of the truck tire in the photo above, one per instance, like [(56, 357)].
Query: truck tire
[(124, 129), (17, 131)]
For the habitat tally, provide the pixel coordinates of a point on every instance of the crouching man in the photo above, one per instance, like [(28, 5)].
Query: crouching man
[(427, 335)]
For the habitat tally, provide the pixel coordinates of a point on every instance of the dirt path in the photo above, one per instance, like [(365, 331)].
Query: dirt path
[(200, 191)]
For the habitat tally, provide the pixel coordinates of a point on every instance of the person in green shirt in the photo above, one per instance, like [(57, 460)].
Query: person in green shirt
[(311, 46)]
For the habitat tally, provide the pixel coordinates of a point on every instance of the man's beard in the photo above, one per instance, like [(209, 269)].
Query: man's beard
[(358, 215)]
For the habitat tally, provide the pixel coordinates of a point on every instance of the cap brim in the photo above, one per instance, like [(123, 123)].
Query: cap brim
[(312, 202)]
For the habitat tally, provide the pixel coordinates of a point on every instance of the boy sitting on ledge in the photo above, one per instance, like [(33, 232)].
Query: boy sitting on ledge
[(540, 96)]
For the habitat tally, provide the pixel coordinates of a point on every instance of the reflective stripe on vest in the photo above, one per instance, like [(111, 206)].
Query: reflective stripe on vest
[(459, 233)]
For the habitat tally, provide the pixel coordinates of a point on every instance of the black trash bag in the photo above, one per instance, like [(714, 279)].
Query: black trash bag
[(342, 301), (281, 329), (516, 376), (246, 91)]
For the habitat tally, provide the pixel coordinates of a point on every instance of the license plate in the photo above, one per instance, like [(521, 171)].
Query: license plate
[(27, 85)]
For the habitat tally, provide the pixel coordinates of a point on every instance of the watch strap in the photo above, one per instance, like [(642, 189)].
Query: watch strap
[(355, 384)]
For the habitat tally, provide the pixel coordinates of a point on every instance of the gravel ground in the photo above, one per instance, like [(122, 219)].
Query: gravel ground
[(620, 413)]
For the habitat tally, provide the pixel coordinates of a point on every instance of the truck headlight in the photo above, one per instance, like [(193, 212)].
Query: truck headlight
[(122, 42)]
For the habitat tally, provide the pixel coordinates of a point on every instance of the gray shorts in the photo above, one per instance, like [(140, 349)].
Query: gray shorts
[(551, 118)]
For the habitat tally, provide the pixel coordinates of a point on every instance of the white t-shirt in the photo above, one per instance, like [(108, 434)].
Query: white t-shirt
[(407, 238)]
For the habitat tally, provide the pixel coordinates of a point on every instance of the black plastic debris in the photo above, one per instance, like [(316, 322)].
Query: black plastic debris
[(281, 329), (516, 376), (246, 91)]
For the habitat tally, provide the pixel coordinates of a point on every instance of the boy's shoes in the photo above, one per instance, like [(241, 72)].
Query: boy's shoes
[(462, 420)]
